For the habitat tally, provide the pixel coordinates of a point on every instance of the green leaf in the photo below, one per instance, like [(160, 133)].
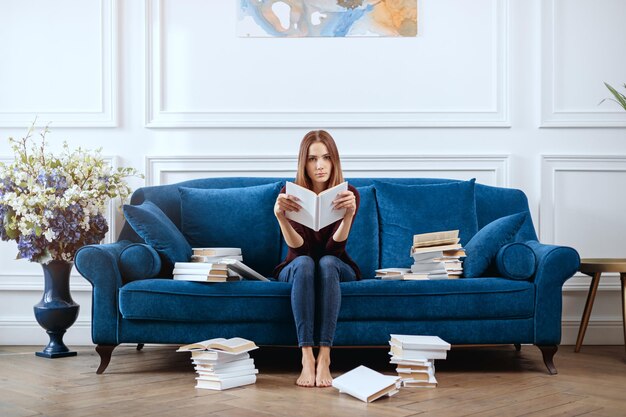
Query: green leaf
[(619, 97)]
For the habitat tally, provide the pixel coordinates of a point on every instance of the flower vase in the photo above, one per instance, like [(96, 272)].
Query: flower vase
[(56, 311)]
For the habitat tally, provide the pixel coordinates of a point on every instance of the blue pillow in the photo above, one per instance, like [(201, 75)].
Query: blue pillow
[(158, 231), (138, 261), (407, 210), (234, 217), (516, 261), (363, 242), (481, 250)]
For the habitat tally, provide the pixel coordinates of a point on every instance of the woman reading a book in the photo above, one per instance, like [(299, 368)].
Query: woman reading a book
[(317, 261)]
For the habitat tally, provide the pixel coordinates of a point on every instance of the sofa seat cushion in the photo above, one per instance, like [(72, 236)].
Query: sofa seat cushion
[(480, 298), (171, 300), (255, 301)]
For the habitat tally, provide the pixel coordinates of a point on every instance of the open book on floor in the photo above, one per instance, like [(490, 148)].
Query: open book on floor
[(233, 345), (317, 209), (366, 384)]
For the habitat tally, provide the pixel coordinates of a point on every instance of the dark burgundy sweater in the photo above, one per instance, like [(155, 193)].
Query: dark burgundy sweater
[(318, 244)]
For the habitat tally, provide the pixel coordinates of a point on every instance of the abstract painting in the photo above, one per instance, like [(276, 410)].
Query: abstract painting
[(327, 18)]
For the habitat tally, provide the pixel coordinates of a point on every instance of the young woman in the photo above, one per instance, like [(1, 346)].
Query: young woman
[(317, 261)]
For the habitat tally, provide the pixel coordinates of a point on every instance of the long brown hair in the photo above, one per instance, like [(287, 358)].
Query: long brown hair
[(336, 175)]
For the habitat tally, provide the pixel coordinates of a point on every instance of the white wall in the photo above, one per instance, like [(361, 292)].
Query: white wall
[(505, 91)]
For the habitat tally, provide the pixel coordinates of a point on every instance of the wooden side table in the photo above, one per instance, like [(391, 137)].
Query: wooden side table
[(594, 267)]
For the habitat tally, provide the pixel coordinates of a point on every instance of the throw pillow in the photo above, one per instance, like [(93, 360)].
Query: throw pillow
[(481, 250), (407, 210), (138, 261), (516, 261), (234, 217), (158, 231), (363, 242)]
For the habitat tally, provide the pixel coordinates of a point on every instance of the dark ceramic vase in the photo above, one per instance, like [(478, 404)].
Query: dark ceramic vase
[(56, 311)]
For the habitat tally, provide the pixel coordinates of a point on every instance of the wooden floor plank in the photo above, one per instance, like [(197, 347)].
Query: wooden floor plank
[(157, 381)]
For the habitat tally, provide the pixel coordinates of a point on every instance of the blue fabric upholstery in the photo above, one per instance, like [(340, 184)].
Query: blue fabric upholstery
[(255, 301), (407, 210), (467, 311), (139, 261), (516, 261), (481, 250), (158, 231), (234, 217), (363, 240)]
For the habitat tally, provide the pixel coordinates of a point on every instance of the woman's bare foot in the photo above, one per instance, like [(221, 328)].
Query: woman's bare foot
[(307, 376), (323, 378)]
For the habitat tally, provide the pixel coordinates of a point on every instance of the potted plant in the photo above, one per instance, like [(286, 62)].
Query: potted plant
[(52, 205)]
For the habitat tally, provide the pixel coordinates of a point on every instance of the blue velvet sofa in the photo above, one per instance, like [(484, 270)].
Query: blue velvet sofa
[(514, 296)]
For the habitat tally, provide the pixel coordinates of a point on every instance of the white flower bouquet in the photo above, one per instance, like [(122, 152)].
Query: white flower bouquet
[(53, 205)]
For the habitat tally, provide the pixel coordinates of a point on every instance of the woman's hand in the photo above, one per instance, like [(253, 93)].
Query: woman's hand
[(347, 200), (285, 202)]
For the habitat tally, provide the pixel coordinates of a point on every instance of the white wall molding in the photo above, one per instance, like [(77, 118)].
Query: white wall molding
[(551, 167), (606, 115), (488, 169), (105, 115), (495, 115)]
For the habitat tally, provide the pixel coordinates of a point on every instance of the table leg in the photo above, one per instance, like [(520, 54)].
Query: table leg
[(593, 288), (623, 279)]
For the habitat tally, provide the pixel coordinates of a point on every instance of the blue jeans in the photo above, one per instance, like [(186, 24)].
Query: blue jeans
[(309, 287)]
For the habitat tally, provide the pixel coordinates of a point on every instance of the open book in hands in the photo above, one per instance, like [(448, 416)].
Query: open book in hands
[(232, 345), (318, 210)]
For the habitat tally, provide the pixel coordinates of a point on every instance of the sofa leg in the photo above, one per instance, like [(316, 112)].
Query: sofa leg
[(105, 352), (518, 347), (139, 346), (548, 352)]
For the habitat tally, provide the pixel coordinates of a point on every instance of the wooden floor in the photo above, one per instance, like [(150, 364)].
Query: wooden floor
[(484, 381)]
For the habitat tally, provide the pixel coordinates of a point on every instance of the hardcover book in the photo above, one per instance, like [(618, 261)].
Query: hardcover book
[(317, 209)]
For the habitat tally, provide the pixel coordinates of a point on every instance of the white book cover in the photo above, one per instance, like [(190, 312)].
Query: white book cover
[(430, 268), (216, 251), (242, 269), (317, 209), (200, 265), (412, 362), (409, 341), (365, 383), (226, 383), (210, 376), (400, 353), (225, 366), (207, 357)]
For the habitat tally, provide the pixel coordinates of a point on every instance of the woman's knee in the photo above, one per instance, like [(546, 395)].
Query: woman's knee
[(303, 266), (328, 262)]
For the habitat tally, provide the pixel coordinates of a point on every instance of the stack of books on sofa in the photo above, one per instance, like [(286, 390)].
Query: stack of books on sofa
[(222, 363), (436, 256), (204, 272), (217, 265), (414, 357)]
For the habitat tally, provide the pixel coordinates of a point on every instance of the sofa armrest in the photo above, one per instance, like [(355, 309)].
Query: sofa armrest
[(555, 265), (98, 264)]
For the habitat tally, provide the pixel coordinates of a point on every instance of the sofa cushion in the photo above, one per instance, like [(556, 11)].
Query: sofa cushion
[(139, 261), (234, 217), (256, 301), (481, 250), (407, 210), (516, 261), (158, 231), (363, 240)]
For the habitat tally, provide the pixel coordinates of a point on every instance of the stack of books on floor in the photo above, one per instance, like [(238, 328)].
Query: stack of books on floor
[(414, 357), (222, 363), (366, 384), (436, 256)]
